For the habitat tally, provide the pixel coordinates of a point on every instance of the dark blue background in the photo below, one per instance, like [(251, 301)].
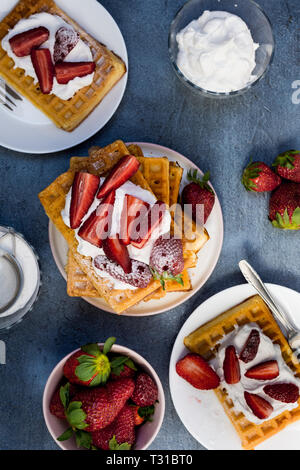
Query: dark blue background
[(216, 135)]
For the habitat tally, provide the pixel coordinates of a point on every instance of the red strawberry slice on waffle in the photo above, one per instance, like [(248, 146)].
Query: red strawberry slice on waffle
[(285, 392), (139, 277), (67, 71), (167, 256), (84, 189), (231, 366), (65, 41), (126, 167), (97, 226), (195, 370), (251, 346), (260, 407), (264, 371), (134, 209), (23, 43), (117, 252), (140, 235), (43, 66)]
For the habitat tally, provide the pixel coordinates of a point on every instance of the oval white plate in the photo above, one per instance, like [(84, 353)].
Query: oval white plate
[(207, 257), (27, 129), (200, 411)]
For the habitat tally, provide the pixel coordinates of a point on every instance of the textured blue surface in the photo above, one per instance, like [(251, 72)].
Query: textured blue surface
[(217, 135)]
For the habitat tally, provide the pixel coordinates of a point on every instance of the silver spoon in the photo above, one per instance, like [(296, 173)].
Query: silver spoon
[(253, 278)]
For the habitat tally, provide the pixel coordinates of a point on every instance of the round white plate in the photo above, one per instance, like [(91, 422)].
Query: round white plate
[(207, 257), (200, 411), (27, 129)]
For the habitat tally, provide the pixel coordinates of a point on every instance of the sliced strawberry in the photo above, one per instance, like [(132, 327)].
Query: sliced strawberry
[(96, 228), (140, 275), (126, 167), (117, 252), (84, 189), (195, 370), (264, 371), (285, 392), (23, 43), (42, 63), (140, 235), (231, 366), (250, 349), (260, 407), (65, 41), (133, 208), (66, 71)]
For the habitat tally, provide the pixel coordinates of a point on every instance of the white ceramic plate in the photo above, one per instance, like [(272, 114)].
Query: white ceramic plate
[(200, 411), (207, 257), (27, 129)]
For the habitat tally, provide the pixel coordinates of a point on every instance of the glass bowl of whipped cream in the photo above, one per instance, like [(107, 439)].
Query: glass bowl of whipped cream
[(221, 48)]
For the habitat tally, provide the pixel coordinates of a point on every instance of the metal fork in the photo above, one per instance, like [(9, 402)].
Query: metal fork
[(7, 95)]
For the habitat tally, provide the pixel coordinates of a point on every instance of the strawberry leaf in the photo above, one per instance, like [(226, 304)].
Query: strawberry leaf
[(146, 412), (96, 368), (202, 182), (66, 435), (83, 439), (285, 222), (166, 276), (64, 393), (113, 445), (108, 344), (92, 349)]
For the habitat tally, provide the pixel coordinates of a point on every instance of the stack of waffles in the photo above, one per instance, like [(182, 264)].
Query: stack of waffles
[(66, 114), (204, 341), (157, 175)]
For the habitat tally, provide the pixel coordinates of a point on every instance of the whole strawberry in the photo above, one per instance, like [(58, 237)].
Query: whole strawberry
[(167, 256), (287, 165), (101, 405), (284, 210), (145, 392), (258, 177), (90, 366), (119, 435), (198, 193)]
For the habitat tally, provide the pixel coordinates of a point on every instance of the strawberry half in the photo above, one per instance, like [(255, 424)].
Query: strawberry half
[(43, 66), (140, 235), (96, 228), (84, 189), (285, 392), (231, 366), (65, 41), (251, 346), (133, 209), (264, 371), (260, 407), (125, 168), (23, 43), (195, 370), (67, 71), (117, 252)]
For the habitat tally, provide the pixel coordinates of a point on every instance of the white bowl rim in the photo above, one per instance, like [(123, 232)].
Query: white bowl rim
[(117, 349)]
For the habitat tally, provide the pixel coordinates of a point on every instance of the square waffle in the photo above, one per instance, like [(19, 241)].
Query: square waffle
[(66, 114), (204, 341)]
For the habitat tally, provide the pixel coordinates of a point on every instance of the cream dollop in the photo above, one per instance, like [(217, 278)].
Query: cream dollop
[(87, 249), (217, 52), (267, 351), (81, 52)]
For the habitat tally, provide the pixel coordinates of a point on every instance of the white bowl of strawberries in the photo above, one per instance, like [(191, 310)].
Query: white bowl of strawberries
[(103, 396)]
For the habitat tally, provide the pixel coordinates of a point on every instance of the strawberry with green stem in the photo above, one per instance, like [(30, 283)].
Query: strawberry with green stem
[(197, 193), (258, 177), (284, 208), (287, 165)]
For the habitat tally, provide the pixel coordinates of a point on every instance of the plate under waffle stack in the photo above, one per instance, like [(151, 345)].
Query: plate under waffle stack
[(66, 114), (204, 341)]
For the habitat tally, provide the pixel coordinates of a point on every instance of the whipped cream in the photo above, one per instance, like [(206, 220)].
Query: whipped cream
[(87, 249), (267, 351), (217, 52), (80, 53)]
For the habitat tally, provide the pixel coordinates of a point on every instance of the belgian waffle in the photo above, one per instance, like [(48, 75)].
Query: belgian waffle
[(204, 341), (66, 114)]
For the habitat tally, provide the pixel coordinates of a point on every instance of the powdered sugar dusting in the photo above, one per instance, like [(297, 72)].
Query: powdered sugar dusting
[(139, 277), (167, 256), (65, 40)]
